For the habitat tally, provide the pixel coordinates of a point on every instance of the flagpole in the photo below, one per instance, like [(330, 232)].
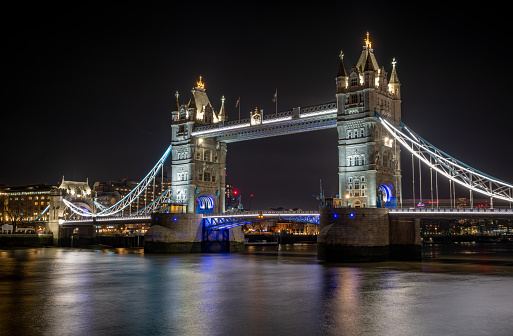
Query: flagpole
[(238, 104), (275, 100)]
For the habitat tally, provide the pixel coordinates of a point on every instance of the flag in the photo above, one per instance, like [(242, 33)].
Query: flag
[(237, 104), (275, 96)]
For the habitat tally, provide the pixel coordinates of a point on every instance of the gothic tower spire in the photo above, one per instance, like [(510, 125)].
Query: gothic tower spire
[(341, 74), (394, 85), (222, 111)]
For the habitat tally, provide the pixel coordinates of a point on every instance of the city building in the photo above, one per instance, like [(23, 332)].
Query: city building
[(232, 199), (25, 202)]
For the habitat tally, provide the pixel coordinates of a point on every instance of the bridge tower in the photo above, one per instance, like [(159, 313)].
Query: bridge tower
[(369, 158), (198, 165)]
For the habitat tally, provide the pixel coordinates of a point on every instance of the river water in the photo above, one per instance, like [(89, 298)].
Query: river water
[(266, 290)]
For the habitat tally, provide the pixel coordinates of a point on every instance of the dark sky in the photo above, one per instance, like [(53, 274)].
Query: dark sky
[(88, 90)]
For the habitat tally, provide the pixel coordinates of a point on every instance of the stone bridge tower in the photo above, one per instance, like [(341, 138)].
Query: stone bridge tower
[(198, 165), (369, 158)]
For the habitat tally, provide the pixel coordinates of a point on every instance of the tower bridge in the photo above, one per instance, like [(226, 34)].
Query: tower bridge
[(367, 114)]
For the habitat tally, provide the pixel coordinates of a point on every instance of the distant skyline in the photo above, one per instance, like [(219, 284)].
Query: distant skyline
[(89, 92)]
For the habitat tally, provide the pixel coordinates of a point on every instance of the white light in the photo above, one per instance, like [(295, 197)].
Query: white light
[(393, 131)]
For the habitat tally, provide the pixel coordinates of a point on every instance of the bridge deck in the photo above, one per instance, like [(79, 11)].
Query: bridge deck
[(226, 220)]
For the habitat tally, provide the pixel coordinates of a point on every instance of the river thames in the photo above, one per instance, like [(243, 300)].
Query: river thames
[(266, 290)]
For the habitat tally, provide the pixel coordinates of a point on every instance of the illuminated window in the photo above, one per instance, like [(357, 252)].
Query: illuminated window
[(354, 81), (35, 203)]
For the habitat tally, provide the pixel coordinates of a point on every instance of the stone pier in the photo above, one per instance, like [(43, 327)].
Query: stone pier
[(366, 235), (184, 233)]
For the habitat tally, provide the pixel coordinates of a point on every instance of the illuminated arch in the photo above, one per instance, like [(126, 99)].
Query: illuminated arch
[(205, 204), (386, 191)]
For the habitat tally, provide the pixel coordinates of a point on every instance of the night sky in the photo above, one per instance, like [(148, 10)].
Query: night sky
[(88, 91)]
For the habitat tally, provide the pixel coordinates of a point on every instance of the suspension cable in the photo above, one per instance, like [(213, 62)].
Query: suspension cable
[(449, 167)]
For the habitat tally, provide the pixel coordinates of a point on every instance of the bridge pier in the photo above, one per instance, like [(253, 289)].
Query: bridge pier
[(184, 233), (366, 235)]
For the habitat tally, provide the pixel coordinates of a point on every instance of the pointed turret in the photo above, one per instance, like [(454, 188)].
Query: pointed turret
[(394, 86), (341, 74), (176, 107), (341, 68), (369, 66), (367, 53), (222, 111), (199, 106), (369, 71)]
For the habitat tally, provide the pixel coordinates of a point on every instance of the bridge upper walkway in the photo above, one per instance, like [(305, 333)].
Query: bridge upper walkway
[(297, 120)]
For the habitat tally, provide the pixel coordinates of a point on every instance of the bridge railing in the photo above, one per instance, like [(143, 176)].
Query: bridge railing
[(314, 110), (303, 113), (105, 219)]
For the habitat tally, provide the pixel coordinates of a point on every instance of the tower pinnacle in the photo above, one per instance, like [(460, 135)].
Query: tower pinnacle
[(200, 84), (368, 43), (341, 69)]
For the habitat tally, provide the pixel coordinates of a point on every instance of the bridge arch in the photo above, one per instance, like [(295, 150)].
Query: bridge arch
[(205, 203)]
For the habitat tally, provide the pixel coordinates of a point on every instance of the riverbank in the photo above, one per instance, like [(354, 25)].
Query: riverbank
[(26, 240)]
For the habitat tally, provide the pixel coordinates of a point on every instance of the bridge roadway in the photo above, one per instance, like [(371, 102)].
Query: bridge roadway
[(232, 219)]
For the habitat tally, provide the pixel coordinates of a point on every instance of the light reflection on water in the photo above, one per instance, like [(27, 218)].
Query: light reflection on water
[(262, 291)]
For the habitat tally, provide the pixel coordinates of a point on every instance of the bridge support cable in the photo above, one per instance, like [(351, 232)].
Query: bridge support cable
[(99, 205), (413, 176), (43, 212), (136, 192), (76, 209), (129, 198), (155, 204), (455, 170)]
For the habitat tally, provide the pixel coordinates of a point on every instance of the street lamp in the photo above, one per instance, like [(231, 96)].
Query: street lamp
[(347, 200)]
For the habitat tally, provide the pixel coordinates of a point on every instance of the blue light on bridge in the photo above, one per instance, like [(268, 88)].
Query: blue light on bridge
[(175, 219), (386, 190), (351, 214), (335, 215)]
